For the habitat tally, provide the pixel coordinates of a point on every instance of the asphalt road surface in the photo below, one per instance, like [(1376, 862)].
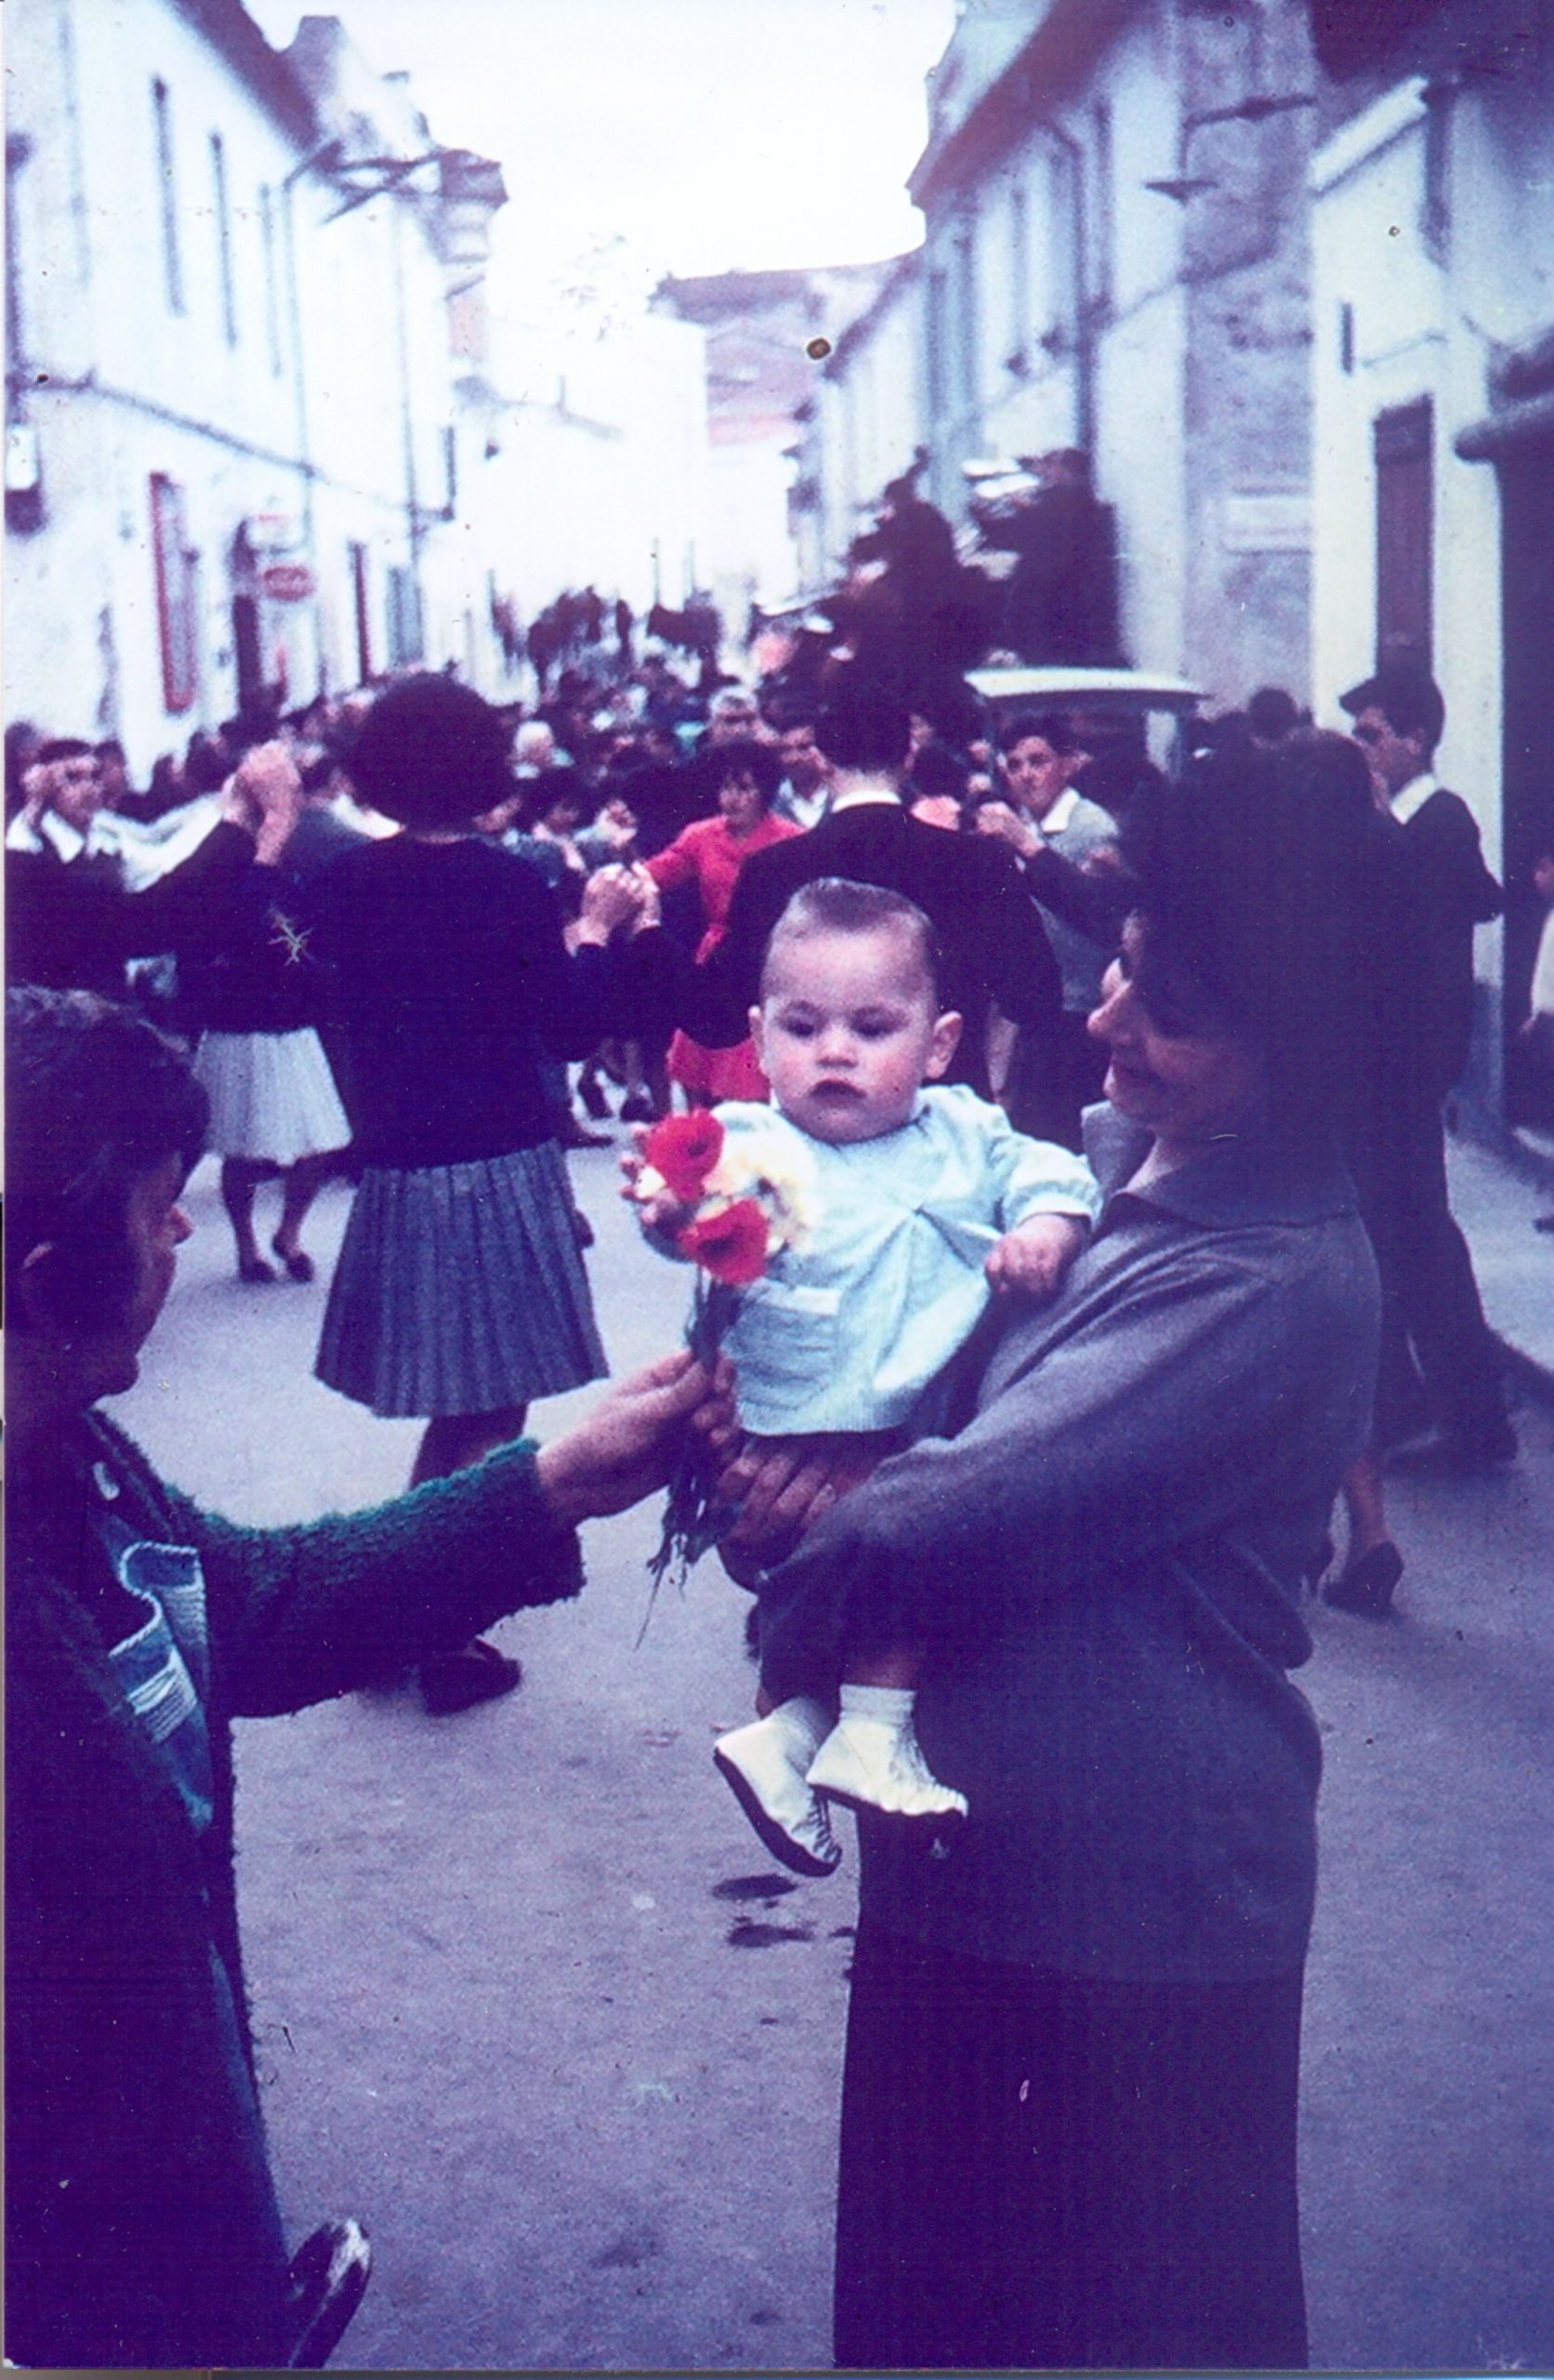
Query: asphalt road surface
[(532, 2002)]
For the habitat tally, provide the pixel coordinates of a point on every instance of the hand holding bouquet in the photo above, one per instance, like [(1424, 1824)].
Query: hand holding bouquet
[(730, 1204)]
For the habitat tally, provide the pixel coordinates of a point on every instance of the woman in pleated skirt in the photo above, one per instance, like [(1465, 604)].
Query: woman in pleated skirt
[(460, 1294)]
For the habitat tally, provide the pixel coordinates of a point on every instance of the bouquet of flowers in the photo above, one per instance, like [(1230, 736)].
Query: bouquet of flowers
[(730, 1204)]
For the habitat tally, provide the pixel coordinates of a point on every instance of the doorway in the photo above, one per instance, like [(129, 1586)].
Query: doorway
[(1526, 474)]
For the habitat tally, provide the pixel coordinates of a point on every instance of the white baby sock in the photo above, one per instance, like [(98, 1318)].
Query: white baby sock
[(891, 1705)]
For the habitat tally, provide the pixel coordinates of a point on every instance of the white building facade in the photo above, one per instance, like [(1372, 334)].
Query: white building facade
[(1116, 260), (862, 425), (233, 434)]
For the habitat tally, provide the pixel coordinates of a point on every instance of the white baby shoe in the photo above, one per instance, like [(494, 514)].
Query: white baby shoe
[(764, 1764), (871, 1764)]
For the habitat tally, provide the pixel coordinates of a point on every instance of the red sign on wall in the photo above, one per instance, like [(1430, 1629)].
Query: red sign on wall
[(288, 582)]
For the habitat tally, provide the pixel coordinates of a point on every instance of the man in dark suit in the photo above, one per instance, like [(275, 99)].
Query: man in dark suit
[(995, 951), (1433, 1299)]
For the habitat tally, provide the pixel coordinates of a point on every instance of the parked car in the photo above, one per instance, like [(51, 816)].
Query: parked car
[(1124, 718)]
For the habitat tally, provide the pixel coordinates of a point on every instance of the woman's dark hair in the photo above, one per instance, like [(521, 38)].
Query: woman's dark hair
[(97, 1098), (1251, 883), (837, 905), (742, 757), (432, 753)]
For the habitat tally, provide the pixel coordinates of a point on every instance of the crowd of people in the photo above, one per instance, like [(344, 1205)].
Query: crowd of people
[(1117, 1108)]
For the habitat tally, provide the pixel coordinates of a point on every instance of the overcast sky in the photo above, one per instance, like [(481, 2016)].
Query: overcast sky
[(709, 133)]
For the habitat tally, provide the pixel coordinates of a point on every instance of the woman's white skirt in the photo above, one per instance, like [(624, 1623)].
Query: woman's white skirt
[(272, 1096), (460, 1288)]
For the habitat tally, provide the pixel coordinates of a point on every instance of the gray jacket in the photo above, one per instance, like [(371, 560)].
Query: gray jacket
[(1106, 1565)]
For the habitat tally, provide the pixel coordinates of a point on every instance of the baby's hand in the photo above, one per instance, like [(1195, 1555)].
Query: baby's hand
[(1033, 1259), (658, 1210)]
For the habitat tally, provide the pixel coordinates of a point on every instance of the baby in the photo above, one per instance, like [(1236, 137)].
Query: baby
[(926, 1200)]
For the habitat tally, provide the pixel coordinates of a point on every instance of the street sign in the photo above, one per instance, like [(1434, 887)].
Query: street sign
[(288, 582)]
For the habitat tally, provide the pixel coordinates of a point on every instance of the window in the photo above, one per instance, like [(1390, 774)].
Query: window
[(172, 261), (1404, 524), (1018, 361), (936, 335), (1102, 211), (362, 597), (176, 607), (404, 616), (223, 237), (966, 312), (271, 280)]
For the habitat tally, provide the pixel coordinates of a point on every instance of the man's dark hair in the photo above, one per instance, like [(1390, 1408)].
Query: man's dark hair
[(97, 1098), (937, 770), (65, 747), (1050, 725), (432, 753), (865, 727), (837, 905), (207, 764), (1271, 714), (1408, 699)]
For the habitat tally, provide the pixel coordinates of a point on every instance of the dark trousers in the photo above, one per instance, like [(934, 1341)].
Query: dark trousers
[(1432, 1321), (1043, 2172)]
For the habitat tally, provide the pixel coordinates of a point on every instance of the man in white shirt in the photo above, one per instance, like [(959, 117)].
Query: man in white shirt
[(1399, 718), (804, 794), (1039, 759)]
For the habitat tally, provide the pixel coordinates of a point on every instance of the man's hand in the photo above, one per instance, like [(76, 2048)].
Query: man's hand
[(998, 818), (37, 790), (611, 898), (1032, 1259), (627, 1446)]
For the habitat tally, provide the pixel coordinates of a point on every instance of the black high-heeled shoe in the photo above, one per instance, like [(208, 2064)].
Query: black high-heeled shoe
[(1366, 1587)]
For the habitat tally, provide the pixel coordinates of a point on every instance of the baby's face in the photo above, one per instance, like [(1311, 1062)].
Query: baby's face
[(847, 1029)]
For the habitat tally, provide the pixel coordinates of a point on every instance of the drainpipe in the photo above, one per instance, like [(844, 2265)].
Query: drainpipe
[(407, 425), (326, 149)]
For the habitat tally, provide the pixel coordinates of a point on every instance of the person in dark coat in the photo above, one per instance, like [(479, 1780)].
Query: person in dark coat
[(142, 2227), (1437, 1320), (995, 952), (1069, 2104), (1060, 601), (71, 921)]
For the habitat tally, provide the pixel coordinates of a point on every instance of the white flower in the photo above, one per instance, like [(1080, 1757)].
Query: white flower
[(775, 1168)]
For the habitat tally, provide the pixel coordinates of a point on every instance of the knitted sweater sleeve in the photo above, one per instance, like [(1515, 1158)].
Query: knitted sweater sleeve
[(302, 1613)]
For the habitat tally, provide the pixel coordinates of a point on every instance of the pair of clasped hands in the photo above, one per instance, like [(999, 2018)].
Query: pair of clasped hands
[(631, 1444)]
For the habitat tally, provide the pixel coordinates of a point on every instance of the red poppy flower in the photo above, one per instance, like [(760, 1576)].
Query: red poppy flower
[(684, 1149), (730, 1244)]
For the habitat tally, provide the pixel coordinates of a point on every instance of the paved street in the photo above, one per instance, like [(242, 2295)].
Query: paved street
[(531, 2000)]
